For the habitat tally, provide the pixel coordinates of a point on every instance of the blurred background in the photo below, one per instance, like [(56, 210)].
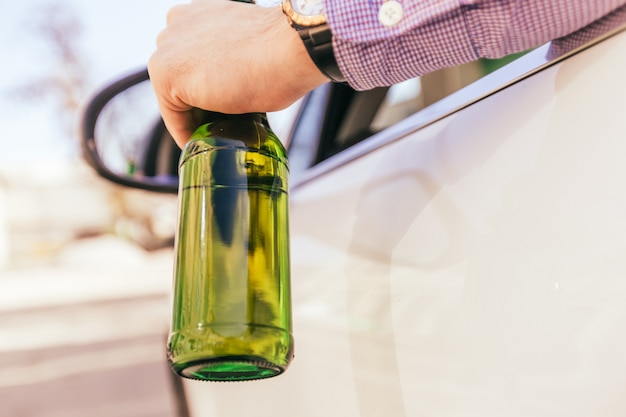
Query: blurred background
[(85, 266)]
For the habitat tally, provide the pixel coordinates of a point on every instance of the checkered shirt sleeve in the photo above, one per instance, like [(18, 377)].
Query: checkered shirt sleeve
[(434, 34)]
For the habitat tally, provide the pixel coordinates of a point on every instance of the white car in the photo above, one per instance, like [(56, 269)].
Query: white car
[(466, 259)]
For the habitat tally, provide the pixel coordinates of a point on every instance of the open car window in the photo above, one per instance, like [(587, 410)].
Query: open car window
[(337, 117), (344, 118)]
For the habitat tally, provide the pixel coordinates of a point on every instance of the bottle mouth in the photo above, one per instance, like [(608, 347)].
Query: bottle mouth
[(230, 369)]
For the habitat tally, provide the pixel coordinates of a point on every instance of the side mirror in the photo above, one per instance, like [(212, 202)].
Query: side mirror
[(124, 139)]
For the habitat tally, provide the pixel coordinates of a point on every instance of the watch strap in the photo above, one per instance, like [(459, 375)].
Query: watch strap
[(318, 41)]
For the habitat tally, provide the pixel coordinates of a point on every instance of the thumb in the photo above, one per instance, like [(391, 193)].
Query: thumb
[(181, 123)]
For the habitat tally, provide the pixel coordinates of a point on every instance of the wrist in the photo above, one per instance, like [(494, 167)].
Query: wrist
[(311, 25), (297, 59), (319, 44)]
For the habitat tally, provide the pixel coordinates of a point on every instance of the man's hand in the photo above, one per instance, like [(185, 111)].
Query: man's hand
[(228, 57)]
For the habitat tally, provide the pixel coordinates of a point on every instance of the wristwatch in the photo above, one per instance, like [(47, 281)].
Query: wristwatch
[(309, 19)]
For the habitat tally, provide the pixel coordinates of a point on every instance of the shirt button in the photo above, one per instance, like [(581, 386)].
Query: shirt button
[(390, 13)]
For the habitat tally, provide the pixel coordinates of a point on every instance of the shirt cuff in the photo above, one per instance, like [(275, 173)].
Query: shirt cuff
[(371, 52)]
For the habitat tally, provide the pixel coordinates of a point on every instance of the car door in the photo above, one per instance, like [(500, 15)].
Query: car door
[(467, 260)]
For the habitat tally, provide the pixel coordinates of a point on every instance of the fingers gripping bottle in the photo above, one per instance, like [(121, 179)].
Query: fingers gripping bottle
[(231, 316)]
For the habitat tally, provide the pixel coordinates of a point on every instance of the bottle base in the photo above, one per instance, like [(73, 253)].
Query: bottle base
[(242, 368), (230, 352)]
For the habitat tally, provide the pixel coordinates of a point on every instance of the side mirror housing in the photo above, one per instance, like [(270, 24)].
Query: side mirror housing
[(124, 139)]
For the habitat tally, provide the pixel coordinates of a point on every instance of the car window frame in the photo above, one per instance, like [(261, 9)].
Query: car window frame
[(519, 69)]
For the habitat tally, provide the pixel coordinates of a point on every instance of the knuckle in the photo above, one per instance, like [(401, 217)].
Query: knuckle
[(160, 40), (173, 13)]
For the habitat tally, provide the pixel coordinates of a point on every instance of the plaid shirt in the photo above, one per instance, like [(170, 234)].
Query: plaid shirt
[(434, 34)]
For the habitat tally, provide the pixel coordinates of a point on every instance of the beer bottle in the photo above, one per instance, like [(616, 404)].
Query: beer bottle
[(231, 316)]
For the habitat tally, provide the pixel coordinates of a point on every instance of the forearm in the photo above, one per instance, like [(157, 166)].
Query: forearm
[(434, 34)]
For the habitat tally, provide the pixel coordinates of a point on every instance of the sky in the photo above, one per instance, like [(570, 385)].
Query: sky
[(117, 36)]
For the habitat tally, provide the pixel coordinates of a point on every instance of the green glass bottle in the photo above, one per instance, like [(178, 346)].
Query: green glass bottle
[(232, 299)]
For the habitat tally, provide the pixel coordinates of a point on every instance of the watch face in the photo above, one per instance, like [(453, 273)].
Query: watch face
[(305, 13), (308, 7)]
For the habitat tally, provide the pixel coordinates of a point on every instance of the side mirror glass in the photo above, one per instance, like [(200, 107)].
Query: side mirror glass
[(124, 138)]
